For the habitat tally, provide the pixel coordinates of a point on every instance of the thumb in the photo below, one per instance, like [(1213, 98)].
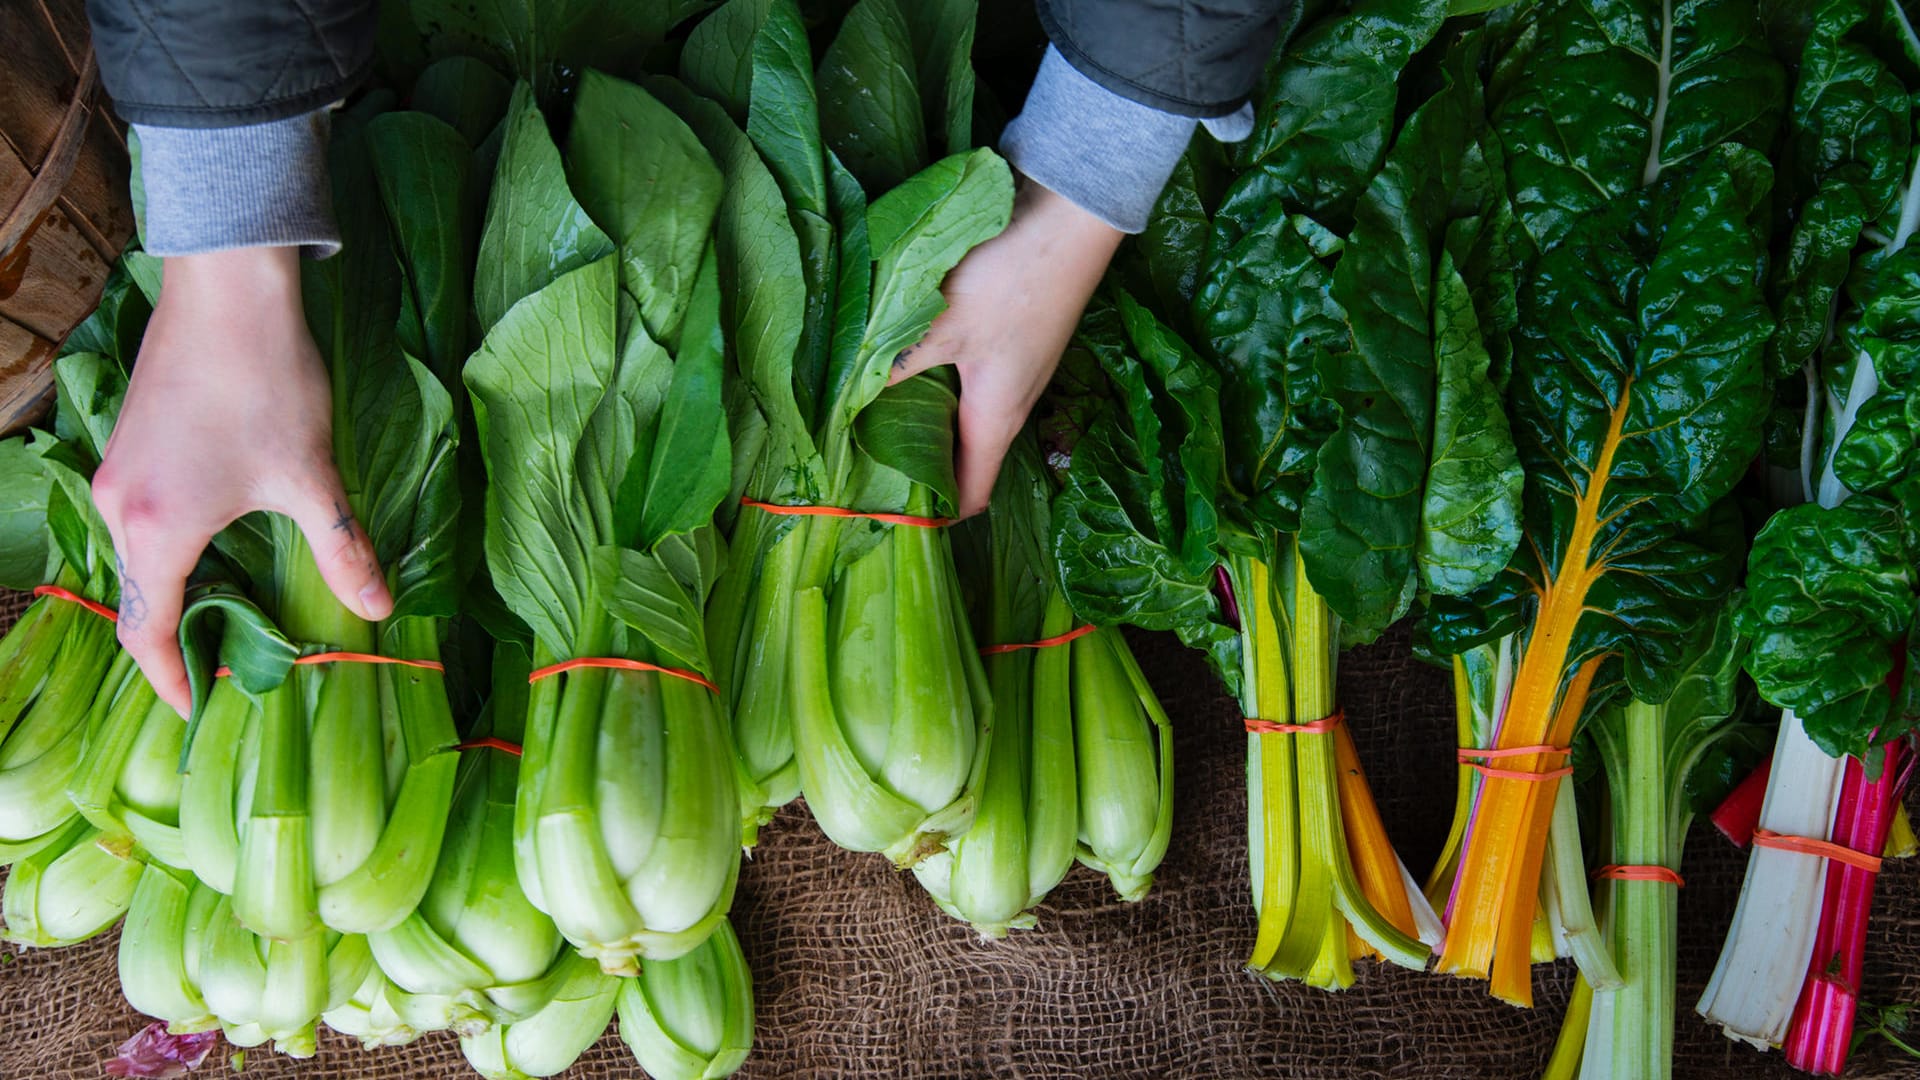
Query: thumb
[(985, 435), (341, 548), (931, 351)]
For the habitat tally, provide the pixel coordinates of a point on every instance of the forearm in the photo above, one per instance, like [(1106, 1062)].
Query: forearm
[(1123, 87)]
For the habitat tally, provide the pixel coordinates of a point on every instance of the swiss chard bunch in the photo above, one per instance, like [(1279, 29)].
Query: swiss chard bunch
[(1637, 386)]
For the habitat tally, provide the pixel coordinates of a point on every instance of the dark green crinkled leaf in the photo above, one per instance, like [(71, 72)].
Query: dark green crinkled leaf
[(1655, 301), (535, 231), (1324, 114), (1267, 314), (1831, 594), (1605, 102), (1470, 515), (1881, 445), (870, 96)]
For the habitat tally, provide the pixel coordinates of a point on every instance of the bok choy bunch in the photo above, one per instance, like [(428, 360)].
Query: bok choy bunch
[(476, 950), (843, 643), (315, 794), (597, 393), (1082, 754)]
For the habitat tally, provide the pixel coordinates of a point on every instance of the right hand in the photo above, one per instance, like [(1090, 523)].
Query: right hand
[(228, 411)]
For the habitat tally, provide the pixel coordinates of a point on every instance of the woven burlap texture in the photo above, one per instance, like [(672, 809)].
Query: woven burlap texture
[(857, 974)]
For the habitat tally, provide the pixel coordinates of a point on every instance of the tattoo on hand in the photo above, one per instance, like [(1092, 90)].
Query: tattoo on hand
[(900, 360), (133, 603), (345, 521)]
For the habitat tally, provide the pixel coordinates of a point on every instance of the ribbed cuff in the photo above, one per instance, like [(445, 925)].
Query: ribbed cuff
[(215, 189)]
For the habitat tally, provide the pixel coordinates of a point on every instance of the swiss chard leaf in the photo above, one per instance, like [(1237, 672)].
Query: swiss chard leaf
[(1832, 593), (1637, 401), (1611, 96), (1325, 113)]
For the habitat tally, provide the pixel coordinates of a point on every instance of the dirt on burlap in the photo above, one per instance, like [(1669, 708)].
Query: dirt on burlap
[(857, 974)]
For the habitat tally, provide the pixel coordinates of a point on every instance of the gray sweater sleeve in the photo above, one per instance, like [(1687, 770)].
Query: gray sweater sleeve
[(261, 185), (1106, 154)]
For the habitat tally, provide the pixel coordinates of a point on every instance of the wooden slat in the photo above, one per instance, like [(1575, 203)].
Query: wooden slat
[(35, 82), (68, 21), (96, 194), (53, 280), (26, 376), (17, 221)]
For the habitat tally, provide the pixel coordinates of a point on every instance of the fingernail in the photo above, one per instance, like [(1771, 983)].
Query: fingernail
[(374, 602)]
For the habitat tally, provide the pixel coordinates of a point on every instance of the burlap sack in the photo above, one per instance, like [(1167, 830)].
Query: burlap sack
[(857, 974)]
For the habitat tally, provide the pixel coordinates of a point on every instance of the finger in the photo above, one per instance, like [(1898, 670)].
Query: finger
[(341, 548), (985, 435), (936, 348), (153, 583)]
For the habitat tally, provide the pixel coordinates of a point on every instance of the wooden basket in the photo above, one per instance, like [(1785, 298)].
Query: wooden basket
[(65, 211)]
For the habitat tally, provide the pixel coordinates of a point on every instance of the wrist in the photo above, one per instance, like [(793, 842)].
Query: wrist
[(252, 276)]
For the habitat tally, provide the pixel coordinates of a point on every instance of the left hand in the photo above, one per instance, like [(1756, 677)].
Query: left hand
[(1012, 306)]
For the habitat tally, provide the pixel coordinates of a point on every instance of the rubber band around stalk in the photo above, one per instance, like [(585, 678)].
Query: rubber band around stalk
[(1807, 845), (70, 597), (1612, 872), (490, 743), (1257, 726), (841, 512), (1466, 755), (1043, 643), (349, 658), (616, 663)]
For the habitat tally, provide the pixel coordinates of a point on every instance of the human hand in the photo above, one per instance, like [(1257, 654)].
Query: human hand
[(229, 410), (1012, 305)]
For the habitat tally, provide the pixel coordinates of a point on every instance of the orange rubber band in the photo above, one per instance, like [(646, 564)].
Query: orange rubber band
[(840, 512), (1043, 643), (1466, 755), (94, 606), (1807, 845), (490, 743), (1641, 873), (617, 664), (350, 658), (1257, 726)]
